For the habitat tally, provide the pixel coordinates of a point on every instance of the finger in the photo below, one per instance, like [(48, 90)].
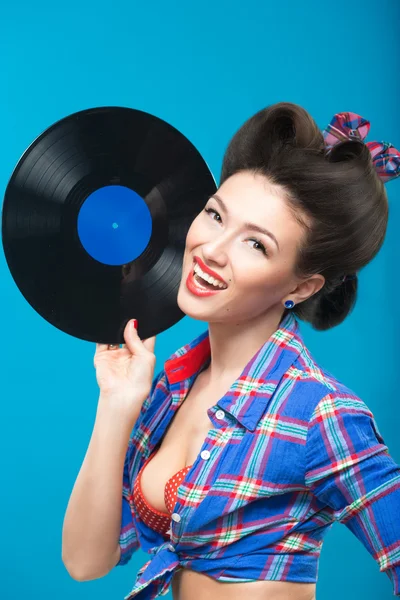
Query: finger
[(133, 341), (101, 348), (149, 343)]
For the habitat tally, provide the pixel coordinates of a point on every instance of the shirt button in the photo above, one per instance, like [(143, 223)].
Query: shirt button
[(176, 517), (220, 414), (170, 547), (205, 454)]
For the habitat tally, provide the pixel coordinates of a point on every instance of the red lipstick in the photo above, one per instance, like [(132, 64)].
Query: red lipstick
[(197, 289), (207, 270)]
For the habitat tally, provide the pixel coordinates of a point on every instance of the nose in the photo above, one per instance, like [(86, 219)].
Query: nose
[(216, 251)]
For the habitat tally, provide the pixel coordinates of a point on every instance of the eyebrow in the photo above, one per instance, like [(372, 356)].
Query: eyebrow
[(247, 225)]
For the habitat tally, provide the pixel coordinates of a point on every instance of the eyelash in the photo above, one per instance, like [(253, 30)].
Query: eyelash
[(263, 249)]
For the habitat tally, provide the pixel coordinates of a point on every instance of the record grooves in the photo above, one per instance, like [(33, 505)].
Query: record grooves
[(94, 221)]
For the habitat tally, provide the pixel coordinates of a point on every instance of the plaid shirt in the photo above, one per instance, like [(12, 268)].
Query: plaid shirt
[(292, 451)]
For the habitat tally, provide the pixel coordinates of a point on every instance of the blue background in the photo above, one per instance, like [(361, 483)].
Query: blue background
[(205, 68)]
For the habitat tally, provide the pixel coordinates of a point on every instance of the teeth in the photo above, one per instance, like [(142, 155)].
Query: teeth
[(212, 280)]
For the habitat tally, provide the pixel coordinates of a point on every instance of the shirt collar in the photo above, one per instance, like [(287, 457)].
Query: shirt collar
[(249, 395)]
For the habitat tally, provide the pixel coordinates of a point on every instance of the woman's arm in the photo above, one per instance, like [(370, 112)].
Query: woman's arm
[(99, 530), (92, 523), (350, 469)]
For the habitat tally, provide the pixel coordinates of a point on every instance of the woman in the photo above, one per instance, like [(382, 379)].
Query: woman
[(244, 450)]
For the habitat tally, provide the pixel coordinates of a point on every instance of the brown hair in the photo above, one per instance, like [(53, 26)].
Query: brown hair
[(340, 194)]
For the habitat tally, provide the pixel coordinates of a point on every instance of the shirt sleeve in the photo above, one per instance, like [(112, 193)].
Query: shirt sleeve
[(128, 539), (349, 469)]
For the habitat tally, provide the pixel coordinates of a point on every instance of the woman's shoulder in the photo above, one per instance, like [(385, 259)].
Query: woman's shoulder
[(318, 387)]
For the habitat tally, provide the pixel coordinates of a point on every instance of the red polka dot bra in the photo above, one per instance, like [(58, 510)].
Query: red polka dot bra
[(158, 520)]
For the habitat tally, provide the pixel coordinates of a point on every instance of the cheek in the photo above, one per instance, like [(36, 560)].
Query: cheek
[(193, 236), (259, 278), (252, 278)]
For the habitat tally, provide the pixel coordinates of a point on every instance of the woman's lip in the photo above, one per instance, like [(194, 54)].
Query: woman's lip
[(190, 284), (203, 267)]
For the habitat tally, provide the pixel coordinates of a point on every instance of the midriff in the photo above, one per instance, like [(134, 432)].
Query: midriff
[(187, 584), (181, 445)]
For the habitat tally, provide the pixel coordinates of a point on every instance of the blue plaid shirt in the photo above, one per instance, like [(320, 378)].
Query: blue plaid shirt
[(292, 451)]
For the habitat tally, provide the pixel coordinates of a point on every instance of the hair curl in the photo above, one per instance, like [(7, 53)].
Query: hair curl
[(339, 193)]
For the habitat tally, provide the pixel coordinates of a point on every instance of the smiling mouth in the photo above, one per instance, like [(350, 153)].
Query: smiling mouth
[(204, 282)]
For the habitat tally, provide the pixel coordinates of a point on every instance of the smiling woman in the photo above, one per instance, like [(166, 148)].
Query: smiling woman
[(246, 449), (259, 478)]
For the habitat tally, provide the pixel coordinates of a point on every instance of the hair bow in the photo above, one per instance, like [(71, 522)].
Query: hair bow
[(348, 125)]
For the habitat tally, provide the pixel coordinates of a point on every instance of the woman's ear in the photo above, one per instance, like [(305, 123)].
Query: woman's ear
[(307, 288)]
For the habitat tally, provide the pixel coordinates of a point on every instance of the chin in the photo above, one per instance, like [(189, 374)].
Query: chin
[(187, 304)]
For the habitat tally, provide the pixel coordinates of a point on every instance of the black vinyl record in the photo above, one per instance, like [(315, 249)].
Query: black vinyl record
[(95, 218)]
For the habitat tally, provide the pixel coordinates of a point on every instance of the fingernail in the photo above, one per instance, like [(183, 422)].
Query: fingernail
[(134, 323)]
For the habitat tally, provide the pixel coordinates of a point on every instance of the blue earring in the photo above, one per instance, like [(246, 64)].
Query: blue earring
[(289, 303)]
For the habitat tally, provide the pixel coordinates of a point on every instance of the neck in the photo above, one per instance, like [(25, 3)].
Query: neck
[(234, 344)]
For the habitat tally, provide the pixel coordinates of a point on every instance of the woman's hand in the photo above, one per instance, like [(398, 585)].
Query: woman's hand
[(125, 375)]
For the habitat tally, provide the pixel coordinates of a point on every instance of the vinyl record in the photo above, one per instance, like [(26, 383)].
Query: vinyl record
[(95, 218)]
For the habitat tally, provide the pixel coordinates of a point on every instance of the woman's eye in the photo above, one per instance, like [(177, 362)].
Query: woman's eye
[(209, 210), (262, 247)]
